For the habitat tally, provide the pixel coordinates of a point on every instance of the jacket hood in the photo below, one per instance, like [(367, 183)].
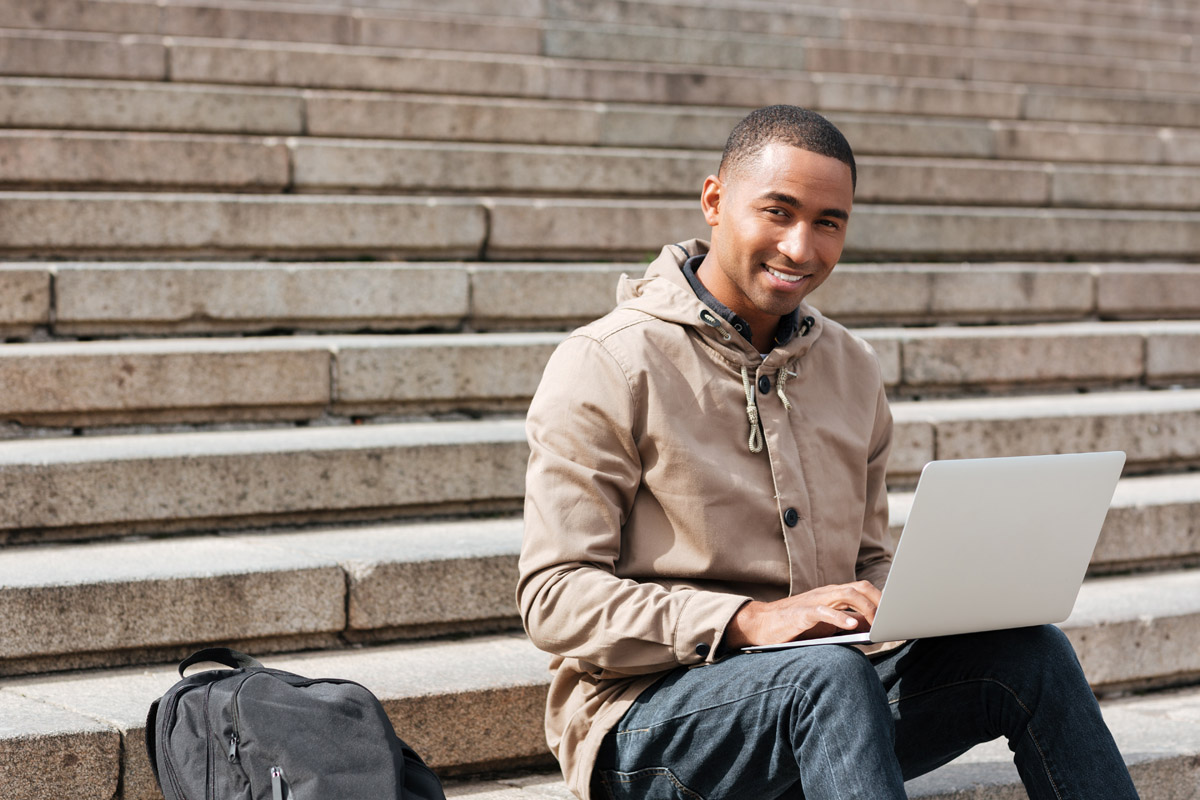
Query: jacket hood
[(664, 292)]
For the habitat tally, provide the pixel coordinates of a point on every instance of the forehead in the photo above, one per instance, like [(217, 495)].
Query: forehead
[(781, 167)]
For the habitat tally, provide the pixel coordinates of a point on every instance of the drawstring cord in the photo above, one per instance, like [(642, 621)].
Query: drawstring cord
[(781, 386), (781, 378), (756, 444)]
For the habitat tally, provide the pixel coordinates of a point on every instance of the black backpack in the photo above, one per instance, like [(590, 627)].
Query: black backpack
[(253, 733)]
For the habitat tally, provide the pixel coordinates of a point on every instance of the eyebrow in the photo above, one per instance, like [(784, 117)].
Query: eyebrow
[(787, 199)]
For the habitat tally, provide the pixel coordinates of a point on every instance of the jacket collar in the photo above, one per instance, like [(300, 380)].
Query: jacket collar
[(664, 292)]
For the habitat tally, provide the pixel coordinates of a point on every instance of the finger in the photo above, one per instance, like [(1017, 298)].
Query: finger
[(836, 617), (850, 598)]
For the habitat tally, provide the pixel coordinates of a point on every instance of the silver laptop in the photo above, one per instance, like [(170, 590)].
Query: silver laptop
[(991, 543)]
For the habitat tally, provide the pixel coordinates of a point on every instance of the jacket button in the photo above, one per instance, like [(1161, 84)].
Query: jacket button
[(702, 650), (764, 385), (790, 517)]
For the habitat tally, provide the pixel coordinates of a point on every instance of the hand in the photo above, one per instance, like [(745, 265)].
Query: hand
[(821, 612)]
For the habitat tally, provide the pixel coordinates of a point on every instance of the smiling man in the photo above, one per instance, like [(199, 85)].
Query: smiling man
[(707, 472)]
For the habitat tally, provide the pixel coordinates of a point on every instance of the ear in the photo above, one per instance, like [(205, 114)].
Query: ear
[(710, 200)]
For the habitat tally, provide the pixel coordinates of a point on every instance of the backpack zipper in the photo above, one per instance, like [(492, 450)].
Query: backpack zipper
[(277, 784)]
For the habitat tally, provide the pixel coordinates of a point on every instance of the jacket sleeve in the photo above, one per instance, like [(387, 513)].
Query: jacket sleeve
[(584, 472), (876, 547)]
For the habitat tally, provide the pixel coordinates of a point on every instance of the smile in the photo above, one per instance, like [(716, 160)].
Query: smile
[(783, 276)]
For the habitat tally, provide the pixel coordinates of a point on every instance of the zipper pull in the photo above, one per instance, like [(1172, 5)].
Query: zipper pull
[(277, 784), (233, 747)]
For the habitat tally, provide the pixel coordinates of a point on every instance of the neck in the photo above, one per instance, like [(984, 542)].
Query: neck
[(762, 326)]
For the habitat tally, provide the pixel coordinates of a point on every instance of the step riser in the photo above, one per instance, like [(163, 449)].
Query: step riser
[(91, 300), (65, 104), (61, 488), (148, 162), (58, 385)]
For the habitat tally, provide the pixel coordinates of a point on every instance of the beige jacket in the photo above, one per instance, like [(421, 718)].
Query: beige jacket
[(649, 520)]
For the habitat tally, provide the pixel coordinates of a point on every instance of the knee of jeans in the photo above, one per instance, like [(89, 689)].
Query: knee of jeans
[(1043, 650), (833, 668)]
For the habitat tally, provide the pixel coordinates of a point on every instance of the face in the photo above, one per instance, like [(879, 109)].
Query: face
[(778, 228)]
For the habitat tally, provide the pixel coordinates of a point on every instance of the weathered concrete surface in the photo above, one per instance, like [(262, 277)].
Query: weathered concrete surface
[(1138, 630), (197, 297), (47, 751), (24, 298), (60, 159), (330, 165), (391, 28), (919, 293), (333, 67), (434, 573), (571, 228), (520, 295), (1153, 428), (986, 233), (133, 595), (459, 371), (133, 106), (186, 480), (111, 16), (82, 55), (46, 223), (998, 356), (450, 118), (1139, 292), (86, 382), (117, 700)]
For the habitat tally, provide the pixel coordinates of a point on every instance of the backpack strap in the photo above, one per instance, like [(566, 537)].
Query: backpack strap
[(220, 655)]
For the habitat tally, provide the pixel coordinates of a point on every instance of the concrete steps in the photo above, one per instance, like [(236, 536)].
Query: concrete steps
[(432, 692), (62, 488), (44, 160), (216, 488), (326, 66), (873, 41), (156, 381), (143, 601), (74, 104), (41, 300), (239, 226)]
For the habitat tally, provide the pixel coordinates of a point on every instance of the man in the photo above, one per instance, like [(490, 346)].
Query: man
[(707, 472)]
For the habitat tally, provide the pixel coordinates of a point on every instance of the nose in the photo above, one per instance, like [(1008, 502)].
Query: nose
[(797, 243)]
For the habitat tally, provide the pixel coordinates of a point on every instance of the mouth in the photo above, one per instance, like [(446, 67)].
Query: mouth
[(784, 276)]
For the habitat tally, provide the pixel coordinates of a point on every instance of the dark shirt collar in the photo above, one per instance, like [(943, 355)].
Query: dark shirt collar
[(788, 325)]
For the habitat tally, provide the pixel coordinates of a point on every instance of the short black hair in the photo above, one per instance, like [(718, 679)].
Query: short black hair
[(792, 125)]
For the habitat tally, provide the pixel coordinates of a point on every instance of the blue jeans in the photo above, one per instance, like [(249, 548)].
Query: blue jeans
[(827, 722)]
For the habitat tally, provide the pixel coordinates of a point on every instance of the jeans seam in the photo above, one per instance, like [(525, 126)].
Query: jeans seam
[(1028, 725), (820, 739)]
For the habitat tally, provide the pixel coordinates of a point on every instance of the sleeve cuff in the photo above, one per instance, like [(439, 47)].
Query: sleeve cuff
[(701, 626)]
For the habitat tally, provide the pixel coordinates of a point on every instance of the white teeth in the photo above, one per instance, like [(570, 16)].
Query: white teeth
[(785, 277)]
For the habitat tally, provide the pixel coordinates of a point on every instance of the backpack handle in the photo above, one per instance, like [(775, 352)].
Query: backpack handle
[(221, 655)]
